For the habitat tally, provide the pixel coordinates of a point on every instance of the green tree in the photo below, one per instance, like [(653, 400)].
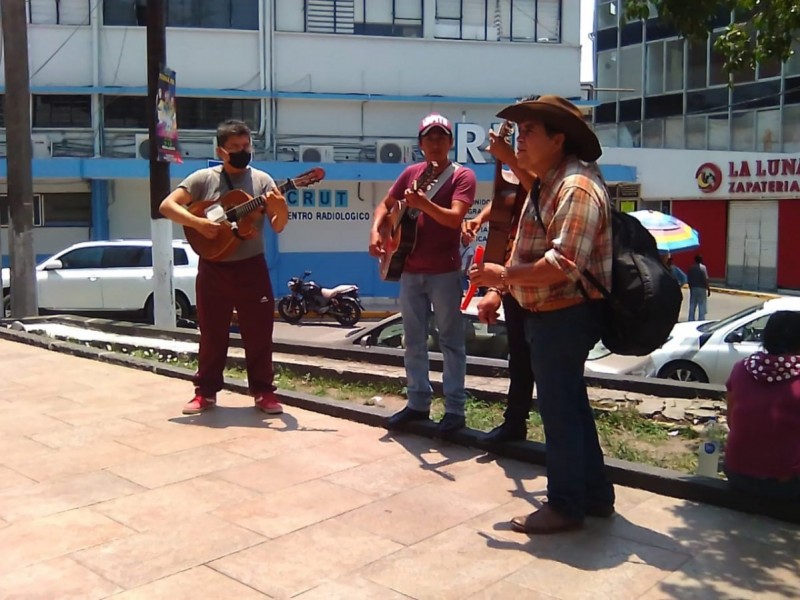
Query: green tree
[(761, 30)]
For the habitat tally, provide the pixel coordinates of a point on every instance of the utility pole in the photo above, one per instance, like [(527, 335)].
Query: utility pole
[(24, 299), (160, 228)]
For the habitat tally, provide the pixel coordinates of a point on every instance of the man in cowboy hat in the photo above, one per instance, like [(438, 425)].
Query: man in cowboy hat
[(566, 231)]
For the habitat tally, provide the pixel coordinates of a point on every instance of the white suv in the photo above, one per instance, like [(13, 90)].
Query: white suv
[(109, 276)]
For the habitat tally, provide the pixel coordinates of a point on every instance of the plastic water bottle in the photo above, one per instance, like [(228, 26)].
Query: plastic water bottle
[(710, 447)]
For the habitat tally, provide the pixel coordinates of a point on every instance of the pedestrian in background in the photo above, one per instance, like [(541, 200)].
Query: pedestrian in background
[(699, 290)]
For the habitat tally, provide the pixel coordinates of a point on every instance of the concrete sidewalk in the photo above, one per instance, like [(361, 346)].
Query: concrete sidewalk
[(106, 490)]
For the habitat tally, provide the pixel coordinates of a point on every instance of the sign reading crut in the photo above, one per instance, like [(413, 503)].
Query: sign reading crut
[(166, 119)]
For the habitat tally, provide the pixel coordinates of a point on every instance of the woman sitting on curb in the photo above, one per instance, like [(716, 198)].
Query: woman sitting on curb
[(763, 450)]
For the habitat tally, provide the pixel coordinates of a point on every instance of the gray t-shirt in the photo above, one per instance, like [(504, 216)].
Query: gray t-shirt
[(209, 184)]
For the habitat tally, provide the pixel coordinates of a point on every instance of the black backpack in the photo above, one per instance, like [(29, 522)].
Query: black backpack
[(645, 299)]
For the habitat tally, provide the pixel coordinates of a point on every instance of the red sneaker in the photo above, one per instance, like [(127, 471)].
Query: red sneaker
[(268, 402), (198, 404)]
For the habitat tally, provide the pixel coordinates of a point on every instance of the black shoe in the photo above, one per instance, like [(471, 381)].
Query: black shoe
[(602, 511), (407, 415), (505, 433), (450, 423)]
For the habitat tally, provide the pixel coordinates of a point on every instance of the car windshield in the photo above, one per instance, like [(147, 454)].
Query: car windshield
[(715, 325)]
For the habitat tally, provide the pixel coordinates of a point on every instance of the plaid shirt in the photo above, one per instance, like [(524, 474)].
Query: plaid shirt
[(575, 209)]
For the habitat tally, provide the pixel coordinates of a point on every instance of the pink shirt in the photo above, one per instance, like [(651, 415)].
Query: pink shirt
[(764, 440), (438, 247)]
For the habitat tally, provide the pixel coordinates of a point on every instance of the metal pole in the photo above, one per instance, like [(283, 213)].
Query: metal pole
[(24, 300), (160, 228)]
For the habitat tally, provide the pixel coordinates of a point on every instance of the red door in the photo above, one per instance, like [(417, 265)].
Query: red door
[(710, 219), (788, 265)]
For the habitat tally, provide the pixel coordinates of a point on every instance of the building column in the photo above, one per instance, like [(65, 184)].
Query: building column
[(100, 227)]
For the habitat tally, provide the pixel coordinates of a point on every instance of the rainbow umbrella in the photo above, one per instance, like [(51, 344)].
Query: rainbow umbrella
[(671, 234)]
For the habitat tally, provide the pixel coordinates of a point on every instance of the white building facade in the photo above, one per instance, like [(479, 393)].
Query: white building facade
[(336, 83)]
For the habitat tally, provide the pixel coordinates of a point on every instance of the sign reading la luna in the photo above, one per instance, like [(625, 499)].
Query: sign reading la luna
[(763, 176)]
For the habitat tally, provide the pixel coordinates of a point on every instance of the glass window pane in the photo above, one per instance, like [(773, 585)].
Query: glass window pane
[(674, 66), (607, 75), (698, 58), (716, 75), (791, 132), (119, 12), (208, 113), (655, 68), (718, 132), (630, 71), (768, 129), (62, 111), (523, 21), (83, 258), (125, 111), (673, 132), (630, 135), (118, 257), (607, 14), (696, 133), (742, 125), (67, 209), (607, 134), (792, 66), (653, 133), (244, 14), (290, 15)]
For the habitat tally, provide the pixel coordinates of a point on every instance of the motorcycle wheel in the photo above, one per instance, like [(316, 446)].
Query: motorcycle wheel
[(290, 310), (349, 312)]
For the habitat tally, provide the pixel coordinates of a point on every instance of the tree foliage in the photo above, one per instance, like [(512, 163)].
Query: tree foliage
[(761, 30)]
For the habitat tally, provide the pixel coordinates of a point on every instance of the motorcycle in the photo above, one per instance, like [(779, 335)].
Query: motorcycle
[(341, 302)]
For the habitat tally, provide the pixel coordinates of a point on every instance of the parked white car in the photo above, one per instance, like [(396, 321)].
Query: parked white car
[(705, 351), (109, 277)]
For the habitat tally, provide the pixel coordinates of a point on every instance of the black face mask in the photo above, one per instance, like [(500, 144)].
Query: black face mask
[(240, 160)]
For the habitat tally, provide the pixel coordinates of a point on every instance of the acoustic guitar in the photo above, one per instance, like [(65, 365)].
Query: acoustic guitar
[(507, 201), (399, 229), (234, 211)]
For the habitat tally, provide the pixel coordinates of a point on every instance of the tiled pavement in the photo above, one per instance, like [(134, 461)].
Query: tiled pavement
[(107, 491)]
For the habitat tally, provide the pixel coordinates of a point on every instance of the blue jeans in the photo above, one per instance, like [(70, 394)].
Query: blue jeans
[(698, 301), (559, 343), (418, 292)]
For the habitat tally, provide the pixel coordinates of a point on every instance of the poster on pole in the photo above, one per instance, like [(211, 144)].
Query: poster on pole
[(166, 118)]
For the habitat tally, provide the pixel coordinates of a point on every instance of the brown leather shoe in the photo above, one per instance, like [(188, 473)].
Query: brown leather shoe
[(544, 521)]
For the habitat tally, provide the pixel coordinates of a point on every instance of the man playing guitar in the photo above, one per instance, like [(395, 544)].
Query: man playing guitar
[(520, 390), (432, 274), (239, 280)]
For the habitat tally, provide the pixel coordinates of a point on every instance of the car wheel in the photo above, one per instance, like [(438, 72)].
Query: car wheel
[(183, 308), (683, 370)]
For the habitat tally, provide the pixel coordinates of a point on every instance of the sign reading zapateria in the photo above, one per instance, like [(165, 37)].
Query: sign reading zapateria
[(768, 176)]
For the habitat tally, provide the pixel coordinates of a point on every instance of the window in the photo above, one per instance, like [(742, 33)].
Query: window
[(607, 75), (630, 110), (697, 65), (37, 211), (385, 17), (791, 132), (673, 69), (90, 257), (696, 133), (663, 106), (742, 131), (605, 39), (653, 133), (630, 71), (607, 134), (606, 113), (62, 111), (716, 74), (59, 12), (655, 68), (208, 113), (792, 66), (515, 20), (719, 134), (208, 14), (121, 257), (607, 14), (125, 111), (630, 135), (768, 130), (179, 257), (68, 209), (673, 132)]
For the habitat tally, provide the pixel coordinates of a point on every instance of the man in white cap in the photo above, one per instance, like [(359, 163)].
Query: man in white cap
[(431, 274), (566, 231)]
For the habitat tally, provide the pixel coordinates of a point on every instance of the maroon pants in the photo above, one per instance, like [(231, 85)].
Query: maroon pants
[(221, 286)]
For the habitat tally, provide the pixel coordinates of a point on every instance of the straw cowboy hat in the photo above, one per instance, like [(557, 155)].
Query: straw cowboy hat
[(563, 116)]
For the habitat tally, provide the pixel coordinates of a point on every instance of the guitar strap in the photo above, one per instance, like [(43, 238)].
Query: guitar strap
[(227, 179), (443, 178)]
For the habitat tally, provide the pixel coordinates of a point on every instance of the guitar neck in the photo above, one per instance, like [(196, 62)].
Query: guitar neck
[(260, 201)]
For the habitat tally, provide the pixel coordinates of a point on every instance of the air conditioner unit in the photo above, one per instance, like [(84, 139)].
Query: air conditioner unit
[(142, 143), (42, 145), (315, 154), (394, 151)]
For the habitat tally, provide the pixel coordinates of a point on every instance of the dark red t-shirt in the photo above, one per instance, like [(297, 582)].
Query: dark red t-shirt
[(438, 247)]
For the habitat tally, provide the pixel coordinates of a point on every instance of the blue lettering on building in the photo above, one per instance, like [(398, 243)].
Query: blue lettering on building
[(292, 198), (341, 198), (324, 198), (308, 197)]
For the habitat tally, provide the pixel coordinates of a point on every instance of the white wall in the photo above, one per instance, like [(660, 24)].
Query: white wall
[(129, 210), (365, 64)]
